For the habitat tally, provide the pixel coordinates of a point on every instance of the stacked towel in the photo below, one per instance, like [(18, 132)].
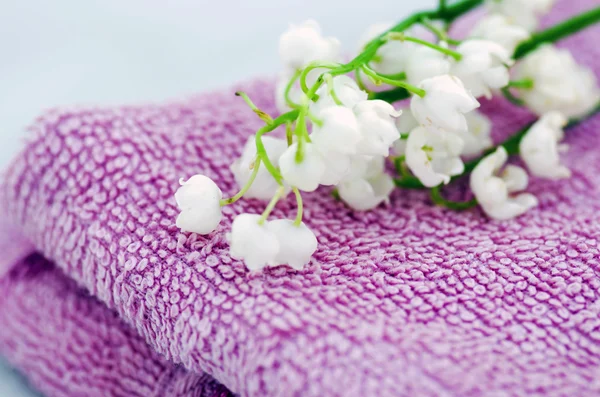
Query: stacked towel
[(101, 294)]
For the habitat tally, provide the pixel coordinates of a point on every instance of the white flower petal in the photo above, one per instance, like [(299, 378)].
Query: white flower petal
[(302, 44), (540, 147), (444, 104), (525, 13), (498, 28), (198, 198), (304, 175), (366, 194), (252, 242), (482, 67), (297, 244), (560, 84), (264, 185), (432, 157), (492, 191), (376, 120)]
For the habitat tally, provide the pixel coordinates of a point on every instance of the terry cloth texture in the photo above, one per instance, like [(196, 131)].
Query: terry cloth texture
[(406, 300)]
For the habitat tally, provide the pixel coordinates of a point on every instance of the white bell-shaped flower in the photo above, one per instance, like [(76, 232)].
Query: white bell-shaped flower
[(540, 147), (405, 124), (337, 167), (264, 185), (483, 66), (369, 185), (525, 13), (366, 194), (346, 90), (339, 131), (499, 29), (377, 123), (493, 190), (252, 242), (306, 174), (297, 243), (433, 157), (425, 63), (443, 107), (391, 57), (302, 44), (478, 136), (198, 198), (559, 83)]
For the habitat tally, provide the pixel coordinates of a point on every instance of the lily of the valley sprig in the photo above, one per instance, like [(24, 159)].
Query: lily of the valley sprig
[(341, 125)]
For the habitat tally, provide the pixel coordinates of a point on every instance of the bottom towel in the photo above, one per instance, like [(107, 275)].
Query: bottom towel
[(70, 344)]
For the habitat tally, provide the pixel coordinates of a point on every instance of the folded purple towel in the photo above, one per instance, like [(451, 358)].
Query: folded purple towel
[(408, 300), (70, 344)]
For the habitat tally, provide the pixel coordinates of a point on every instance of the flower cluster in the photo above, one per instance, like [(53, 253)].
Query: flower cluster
[(342, 127)]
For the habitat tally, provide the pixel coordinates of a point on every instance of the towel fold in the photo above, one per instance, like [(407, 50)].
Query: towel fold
[(70, 344), (406, 300)]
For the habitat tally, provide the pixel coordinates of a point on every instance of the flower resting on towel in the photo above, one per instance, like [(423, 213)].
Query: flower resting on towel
[(344, 131)]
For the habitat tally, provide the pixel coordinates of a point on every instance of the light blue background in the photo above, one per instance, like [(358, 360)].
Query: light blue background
[(65, 52)]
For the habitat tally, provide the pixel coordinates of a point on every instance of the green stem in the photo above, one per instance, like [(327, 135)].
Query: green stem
[(401, 37), (245, 188), (301, 133), (289, 133), (439, 33), (377, 78), (438, 199), (288, 88), (360, 82), (442, 6), (310, 68), (261, 152), (525, 83), (511, 97), (280, 191), (262, 115), (299, 215), (331, 89), (557, 32)]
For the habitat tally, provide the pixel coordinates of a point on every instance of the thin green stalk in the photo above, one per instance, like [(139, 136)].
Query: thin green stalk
[(310, 68), (442, 6), (280, 191), (289, 133), (525, 83), (331, 89), (260, 147), (441, 35), (262, 115), (511, 97), (438, 199), (288, 88), (557, 32), (245, 188), (301, 133), (299, 215), (377, 78), (401, 37)]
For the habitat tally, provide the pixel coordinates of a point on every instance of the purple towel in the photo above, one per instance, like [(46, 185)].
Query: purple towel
[(408, 300)]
